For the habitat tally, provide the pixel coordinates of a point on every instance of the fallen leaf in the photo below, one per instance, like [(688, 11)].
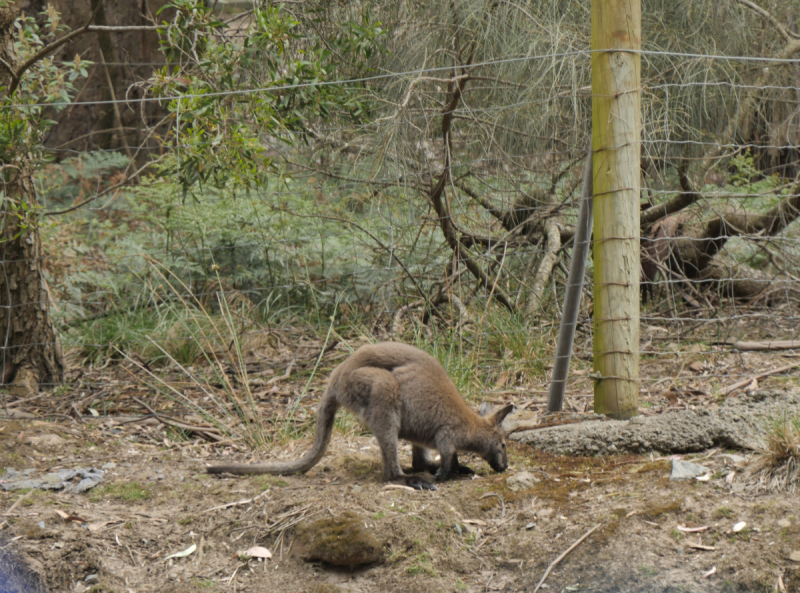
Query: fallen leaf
[(729, 477), (257, 552), (704, 478), (61, 514), (739, 526), (183, 553), (710, 572)]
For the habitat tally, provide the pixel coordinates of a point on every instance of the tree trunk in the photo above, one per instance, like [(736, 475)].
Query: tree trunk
[(123, 57), (31, 353)]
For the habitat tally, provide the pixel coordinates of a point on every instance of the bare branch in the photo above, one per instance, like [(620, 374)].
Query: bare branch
[(787, 35), (686, 198)]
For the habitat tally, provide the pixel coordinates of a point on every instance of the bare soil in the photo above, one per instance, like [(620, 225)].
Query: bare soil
[(470, 535)]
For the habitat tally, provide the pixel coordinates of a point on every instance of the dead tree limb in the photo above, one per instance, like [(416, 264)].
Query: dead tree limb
[(686, 198), (437, 194), (542, 277)]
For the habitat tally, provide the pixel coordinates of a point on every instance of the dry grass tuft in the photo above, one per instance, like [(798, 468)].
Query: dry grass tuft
[(777, 469)]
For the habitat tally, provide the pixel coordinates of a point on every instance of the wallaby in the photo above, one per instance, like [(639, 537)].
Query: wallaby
[(400, 392)]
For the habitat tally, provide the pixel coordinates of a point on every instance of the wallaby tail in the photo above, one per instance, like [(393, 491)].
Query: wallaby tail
[(322, 436)]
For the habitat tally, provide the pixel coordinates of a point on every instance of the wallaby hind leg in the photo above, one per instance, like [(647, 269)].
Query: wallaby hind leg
[(381, 410)]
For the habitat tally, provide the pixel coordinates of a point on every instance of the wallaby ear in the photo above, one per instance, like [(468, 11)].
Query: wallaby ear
[(501, 414)]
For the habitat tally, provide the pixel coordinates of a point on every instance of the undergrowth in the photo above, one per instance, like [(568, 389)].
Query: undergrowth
[(778, 467)]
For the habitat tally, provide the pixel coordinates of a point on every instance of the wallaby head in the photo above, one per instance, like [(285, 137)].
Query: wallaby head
[(495, 453)]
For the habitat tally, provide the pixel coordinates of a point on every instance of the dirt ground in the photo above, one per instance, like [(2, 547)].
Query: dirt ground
[(471, 535)]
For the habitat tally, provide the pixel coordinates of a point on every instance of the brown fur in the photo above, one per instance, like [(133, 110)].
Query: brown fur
[(400, 392)]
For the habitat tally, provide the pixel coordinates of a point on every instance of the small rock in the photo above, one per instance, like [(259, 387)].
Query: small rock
[(342, 541), (91, 578), (108, 466), (530, 525), (522, 481), (795, 556), (735, 459), (784, 523), (739, 526), (41, 524), (684, 470)]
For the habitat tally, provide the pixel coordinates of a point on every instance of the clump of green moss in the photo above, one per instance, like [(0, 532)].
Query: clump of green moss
[(342, 541)]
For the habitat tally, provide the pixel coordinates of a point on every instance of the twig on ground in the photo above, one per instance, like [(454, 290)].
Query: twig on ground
[(233, 504), (737, 386), (285, 375), (563, 555), (500, 498), (768, 345), (207, 432)]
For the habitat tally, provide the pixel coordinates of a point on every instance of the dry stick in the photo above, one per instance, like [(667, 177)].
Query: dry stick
[(560, 558), (500, 498), (233, 504), (212, 433), (16, 502), (746, 382), (771, 345)]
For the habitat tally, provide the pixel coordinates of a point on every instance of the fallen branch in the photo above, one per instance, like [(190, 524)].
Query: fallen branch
[(699, 546), (737, 386), (772, 345), (237, 503), (563, 555), (207, 432)]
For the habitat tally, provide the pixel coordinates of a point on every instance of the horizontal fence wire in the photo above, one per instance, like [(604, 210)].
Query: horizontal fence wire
[(353, 234)]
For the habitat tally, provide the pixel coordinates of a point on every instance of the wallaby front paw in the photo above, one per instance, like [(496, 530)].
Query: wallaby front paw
[(420, 483), (464, 470)]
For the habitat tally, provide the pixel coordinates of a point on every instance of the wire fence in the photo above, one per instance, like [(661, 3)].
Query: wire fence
[(351, 232)]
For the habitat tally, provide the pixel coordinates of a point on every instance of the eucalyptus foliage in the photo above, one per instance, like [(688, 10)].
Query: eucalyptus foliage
[(237, 95)]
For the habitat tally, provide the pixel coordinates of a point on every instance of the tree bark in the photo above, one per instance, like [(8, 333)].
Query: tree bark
[(31, 353)]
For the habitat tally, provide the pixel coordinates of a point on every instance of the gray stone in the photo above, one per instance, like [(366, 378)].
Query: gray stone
[(60, 479), (684, 470), (522, 481)]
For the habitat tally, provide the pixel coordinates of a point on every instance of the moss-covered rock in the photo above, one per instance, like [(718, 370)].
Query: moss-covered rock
[(342, 541)]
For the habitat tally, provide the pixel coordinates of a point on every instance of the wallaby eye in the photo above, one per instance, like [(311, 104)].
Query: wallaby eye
[(503, 445)]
